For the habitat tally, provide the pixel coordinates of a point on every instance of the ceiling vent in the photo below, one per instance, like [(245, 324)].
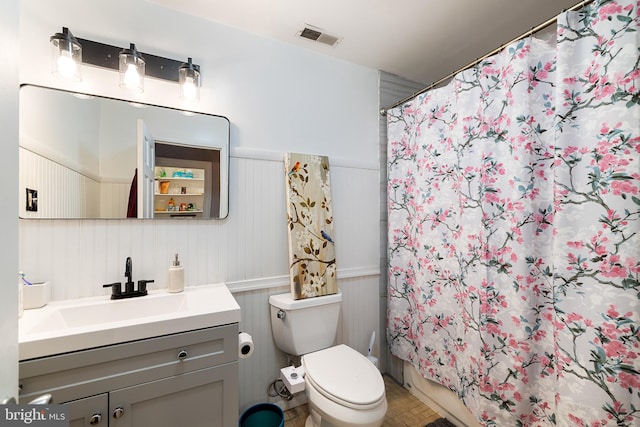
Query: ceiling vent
[(317, 35)]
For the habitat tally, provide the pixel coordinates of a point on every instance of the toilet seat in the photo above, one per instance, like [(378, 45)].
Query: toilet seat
[(345, 376)]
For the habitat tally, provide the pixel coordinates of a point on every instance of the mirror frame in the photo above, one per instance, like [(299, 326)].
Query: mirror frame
[(26, 199)]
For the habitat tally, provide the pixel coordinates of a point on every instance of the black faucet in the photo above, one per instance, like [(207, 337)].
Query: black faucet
[(129, 286)]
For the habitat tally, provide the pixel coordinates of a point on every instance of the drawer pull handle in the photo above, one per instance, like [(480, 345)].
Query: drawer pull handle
[(118, 412), (183, 354), (96, 419)]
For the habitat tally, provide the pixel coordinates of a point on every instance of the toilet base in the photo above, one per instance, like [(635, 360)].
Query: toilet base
[(315, 420), (309, 422)]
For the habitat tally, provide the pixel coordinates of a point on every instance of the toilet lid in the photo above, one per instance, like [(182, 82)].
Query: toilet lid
[(343, 373)]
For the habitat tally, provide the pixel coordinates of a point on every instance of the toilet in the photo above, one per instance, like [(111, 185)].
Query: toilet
[(343, 387)]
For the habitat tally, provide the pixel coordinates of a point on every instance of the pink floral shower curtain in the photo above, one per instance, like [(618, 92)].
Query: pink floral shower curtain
[(514, 228)]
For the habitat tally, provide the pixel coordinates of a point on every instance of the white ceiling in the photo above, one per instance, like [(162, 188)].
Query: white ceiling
[(421, 40)]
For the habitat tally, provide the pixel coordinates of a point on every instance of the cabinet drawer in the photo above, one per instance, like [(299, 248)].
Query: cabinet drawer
[(89, 372)]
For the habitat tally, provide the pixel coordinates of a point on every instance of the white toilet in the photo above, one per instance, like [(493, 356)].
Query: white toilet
[(343, 387)]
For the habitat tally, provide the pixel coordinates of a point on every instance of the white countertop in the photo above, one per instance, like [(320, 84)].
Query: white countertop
[(71, 325)]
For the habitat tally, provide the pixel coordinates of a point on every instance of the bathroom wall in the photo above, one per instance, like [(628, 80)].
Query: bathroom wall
[(9, 47), (81, 196), (278, 98)]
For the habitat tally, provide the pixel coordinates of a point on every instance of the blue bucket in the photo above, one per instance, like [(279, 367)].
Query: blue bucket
[(262, 415)]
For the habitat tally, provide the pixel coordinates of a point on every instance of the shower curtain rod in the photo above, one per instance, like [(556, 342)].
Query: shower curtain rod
[(383, 111)]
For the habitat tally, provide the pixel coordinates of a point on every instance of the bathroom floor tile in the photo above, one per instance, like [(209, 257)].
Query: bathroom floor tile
[(404, 409)]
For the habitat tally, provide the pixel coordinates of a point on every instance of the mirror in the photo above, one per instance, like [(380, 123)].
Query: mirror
[(85, 156)]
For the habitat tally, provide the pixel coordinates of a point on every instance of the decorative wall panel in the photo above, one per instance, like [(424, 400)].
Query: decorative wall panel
[(312, 255)]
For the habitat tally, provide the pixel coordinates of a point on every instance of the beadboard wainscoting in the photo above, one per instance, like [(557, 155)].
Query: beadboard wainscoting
[(78, 256), (248, 250), (80, 195), (114, 198)]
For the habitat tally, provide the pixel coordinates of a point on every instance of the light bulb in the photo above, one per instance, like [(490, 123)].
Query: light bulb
[(131, 67), (131, 77), (189, 89), (189, 80), (66, 65)]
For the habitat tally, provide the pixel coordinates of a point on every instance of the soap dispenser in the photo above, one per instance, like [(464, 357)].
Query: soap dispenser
[(176, 276)]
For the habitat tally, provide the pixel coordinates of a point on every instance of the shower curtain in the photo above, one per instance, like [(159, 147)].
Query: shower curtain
[(514, 229)]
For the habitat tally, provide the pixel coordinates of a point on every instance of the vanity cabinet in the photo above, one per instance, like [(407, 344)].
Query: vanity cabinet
[(189, 378)]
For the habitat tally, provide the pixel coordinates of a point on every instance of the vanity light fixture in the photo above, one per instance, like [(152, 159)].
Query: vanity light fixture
[(189, 80), (132, 64), (66, 55)]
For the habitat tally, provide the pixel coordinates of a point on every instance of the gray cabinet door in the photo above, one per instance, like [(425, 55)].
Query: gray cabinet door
[(90, 411), (203, 398)]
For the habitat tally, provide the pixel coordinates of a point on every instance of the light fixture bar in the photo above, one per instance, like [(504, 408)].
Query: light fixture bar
[(106, 56)]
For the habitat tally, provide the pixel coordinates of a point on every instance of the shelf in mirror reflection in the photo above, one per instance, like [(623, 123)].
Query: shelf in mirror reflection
[(178, 194), (178, 212), (178, 179)]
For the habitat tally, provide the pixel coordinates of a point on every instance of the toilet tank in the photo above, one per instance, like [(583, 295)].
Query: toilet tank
[(305, 325)]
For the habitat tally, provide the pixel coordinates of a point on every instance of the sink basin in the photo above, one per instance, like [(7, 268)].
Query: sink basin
[(63, 326), (87, 313)]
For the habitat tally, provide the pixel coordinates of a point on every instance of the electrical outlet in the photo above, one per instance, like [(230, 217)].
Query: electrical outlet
[(32, 200)]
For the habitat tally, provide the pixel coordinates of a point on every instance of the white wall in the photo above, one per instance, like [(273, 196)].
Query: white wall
[(48, 129), (8, 216), (118, 134), (278, 98)]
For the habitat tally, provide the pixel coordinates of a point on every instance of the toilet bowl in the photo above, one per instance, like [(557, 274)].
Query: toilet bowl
[(344, 389)]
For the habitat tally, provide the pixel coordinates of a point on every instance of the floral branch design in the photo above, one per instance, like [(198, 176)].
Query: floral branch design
[(310, 223), (514, 232)]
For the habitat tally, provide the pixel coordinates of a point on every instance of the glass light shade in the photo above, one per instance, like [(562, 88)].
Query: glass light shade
[(189, 80), (132, 68), (66, 55)]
